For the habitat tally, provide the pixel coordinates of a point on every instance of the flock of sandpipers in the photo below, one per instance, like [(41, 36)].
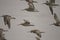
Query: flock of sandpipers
[(31, 8)]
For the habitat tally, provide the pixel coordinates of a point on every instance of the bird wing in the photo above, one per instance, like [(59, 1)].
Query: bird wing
[(31, 5), (37, 38), (52, 1), (38, 33), (8, 23), (51, 9), (56, 18), (5, 20)]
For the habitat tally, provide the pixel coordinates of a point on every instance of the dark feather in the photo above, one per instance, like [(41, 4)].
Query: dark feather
[(8, 23), (51, 9)]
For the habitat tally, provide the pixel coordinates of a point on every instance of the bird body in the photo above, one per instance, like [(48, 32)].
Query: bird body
[(51, 4), (37, 32), (31, 1), (31, 7), (26, 23), (7, 19)]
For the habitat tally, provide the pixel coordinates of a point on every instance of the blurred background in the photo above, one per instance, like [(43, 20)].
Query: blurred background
[(41, 20)]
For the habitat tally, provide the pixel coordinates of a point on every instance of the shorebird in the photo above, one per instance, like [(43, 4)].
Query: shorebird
[(37, 32), (31, 1), (57, 20), (51, 3), (26, 23), (31, 8), (7, 19)]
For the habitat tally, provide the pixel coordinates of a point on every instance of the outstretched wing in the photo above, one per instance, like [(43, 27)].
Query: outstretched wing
[(52, 1), (38, 34), (56, 18), (8, 23), (5, 20), (51, 9)]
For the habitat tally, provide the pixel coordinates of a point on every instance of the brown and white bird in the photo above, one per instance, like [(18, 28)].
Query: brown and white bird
[(37, 32), (7, 19), (31, 7), (51, 4), (57, 20), (26, 23)]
